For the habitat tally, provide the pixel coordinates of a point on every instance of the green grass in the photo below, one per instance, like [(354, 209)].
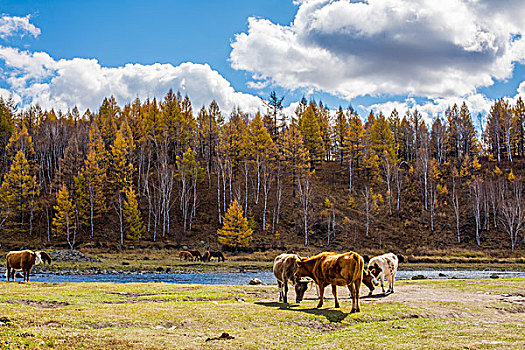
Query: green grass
[(161, 316)]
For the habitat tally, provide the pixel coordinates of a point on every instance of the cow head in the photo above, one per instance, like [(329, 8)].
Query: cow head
[(301, 286), (302, 270), (375, 270), (42, 257), (369, 280)]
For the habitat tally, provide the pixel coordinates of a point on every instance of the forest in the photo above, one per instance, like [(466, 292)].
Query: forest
[(159, 171)]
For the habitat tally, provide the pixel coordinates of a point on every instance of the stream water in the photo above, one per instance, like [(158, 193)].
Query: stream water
[(240, 278)]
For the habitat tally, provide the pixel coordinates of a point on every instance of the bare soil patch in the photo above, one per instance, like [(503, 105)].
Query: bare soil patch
[(42, 304), (318, 325)]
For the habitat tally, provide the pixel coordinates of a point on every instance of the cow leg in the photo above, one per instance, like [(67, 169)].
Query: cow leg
[(321, 295), (334, 292), (382, 283), (357, 288), (351, 289), (286, 292), (8, 274), (280, 285), (13, 272), (392, 283)]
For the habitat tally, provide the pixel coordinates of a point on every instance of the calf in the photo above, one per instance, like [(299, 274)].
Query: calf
[(24, 260), (384, 266), (284, 267), (337, 270)]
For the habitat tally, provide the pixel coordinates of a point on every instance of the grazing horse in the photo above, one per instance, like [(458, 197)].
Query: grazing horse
[(206, 256), (196, 255), (217, 255), (24, 260), (185, 255)]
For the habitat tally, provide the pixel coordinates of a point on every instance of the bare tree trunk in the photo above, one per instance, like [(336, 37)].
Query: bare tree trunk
[(513, 212), (455, 202)]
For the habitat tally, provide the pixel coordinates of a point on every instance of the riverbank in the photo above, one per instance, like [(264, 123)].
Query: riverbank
[(143, 261), (451, 314)]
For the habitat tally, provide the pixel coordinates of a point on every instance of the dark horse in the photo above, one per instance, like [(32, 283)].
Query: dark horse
[(217, 255)]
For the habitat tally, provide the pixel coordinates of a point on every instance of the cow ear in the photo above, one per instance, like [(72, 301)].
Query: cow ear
[(366, 258)]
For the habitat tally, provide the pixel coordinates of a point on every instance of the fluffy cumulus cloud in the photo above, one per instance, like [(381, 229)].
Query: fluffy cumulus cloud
[(435, 49), (12, 26), (35, 77), (477, 104)]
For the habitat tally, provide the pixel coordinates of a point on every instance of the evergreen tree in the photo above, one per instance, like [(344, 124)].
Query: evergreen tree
[(18, 194), (296, 155), (120, 177), (107, 120), (325, 128), (132, 215), (64, 220), (381, 138), (341, 127), (20, 140), (353, 144), (6, 127), (235, 232), (519, 120), (311, 131)]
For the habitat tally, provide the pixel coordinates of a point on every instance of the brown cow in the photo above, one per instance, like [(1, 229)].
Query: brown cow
[(196, 254), (24, 260), (185, 255), (284, 267), (337, 270)]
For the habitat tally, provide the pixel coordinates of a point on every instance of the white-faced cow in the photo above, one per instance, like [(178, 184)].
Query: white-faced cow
[(284, 267), (24, 260), (384, 266), (337, 270)]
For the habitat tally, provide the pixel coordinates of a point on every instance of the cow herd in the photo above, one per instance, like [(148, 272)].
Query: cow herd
[(328, 268)]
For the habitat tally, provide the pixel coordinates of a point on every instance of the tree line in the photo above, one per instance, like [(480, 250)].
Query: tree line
[(158, 170)]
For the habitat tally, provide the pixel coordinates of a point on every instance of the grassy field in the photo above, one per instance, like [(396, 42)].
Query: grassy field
[(432, 314)]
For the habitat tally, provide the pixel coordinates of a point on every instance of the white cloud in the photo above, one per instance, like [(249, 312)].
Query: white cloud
[(476, 103), (418, 48), (11, 26), (38, 78)]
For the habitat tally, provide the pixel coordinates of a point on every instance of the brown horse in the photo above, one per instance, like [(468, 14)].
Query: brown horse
[(24, 260), (206, 256), (196, 255), (185, 255)]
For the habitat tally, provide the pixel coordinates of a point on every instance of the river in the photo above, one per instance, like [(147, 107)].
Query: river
[(240, 278)]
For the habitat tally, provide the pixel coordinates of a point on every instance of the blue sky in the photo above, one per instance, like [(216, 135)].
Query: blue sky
[(375, 54)]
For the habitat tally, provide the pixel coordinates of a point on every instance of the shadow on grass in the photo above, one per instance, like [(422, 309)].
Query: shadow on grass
[(375, 296), (332, 315)]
